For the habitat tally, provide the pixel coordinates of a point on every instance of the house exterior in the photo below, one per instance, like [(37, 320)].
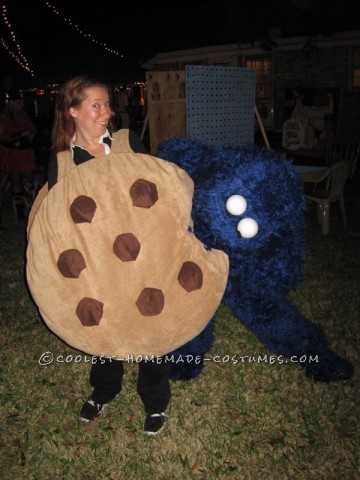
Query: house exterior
[(328, 68)]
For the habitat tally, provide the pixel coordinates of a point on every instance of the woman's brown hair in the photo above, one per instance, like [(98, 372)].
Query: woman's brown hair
[(72, 94)]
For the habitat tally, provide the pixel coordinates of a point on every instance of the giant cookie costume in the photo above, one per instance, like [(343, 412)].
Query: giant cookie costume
[(112, 262)]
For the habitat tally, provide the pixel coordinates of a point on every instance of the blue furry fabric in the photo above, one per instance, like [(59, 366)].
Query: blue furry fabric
[(263, 269)]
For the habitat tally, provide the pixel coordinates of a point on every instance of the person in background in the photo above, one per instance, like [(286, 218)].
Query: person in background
[(17, 157), (82, 130), (122, 104), (136, 109)]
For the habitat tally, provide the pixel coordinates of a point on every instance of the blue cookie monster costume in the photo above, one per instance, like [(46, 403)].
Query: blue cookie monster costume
[(264, 267)]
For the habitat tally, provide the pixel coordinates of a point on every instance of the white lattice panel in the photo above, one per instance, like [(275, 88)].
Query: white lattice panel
[(220, 104)]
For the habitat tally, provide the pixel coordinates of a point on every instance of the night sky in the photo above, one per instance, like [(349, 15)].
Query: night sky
[(56, 51)]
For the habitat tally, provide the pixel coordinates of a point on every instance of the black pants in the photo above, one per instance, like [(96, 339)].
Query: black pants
[(153, 384)]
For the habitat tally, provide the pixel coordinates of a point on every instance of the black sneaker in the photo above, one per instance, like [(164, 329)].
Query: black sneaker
[(91, 410), (154, 423)]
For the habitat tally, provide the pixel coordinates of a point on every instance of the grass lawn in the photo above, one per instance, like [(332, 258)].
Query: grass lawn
[(247, 420)]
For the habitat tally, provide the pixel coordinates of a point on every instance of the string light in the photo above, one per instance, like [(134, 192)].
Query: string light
[(10, 43), (18, 56), (81, 32)]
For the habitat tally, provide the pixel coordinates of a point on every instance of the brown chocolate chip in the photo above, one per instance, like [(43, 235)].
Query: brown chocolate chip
[(89, 311), (150, 302), (71, 263), (143, 193), (127, 247), (82, 209), (190, 276)]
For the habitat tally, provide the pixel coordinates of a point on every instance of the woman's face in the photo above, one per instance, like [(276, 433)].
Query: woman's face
[(92, 115)]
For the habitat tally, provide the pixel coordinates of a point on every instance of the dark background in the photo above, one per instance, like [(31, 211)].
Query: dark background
[(56, 51)]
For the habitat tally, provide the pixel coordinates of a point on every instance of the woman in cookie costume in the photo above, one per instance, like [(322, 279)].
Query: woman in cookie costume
[(82, 131), (113, 262)]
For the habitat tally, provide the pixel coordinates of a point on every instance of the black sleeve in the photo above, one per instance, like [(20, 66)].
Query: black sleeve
[(136, 144), (52, 170)]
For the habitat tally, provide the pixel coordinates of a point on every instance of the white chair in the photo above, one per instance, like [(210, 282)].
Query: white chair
[(342, 149), (331, 190)]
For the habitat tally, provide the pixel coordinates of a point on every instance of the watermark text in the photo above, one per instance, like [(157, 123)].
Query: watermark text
[(47, 358)]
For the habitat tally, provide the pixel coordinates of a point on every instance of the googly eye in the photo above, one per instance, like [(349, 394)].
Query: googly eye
[(248, 227), (236, 205)]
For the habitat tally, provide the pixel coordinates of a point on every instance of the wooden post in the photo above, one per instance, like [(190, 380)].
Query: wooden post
[(261, 125)]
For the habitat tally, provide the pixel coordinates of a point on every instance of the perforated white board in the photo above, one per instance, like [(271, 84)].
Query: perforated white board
[(220, 104)]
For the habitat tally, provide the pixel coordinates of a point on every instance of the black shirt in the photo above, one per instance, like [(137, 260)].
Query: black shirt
[(80, 155)]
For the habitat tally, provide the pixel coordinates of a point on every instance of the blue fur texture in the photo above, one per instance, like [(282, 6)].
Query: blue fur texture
[(263, 269)]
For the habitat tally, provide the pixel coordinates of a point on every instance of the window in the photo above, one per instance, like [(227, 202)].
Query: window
[(356, 67), (262, 66)]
